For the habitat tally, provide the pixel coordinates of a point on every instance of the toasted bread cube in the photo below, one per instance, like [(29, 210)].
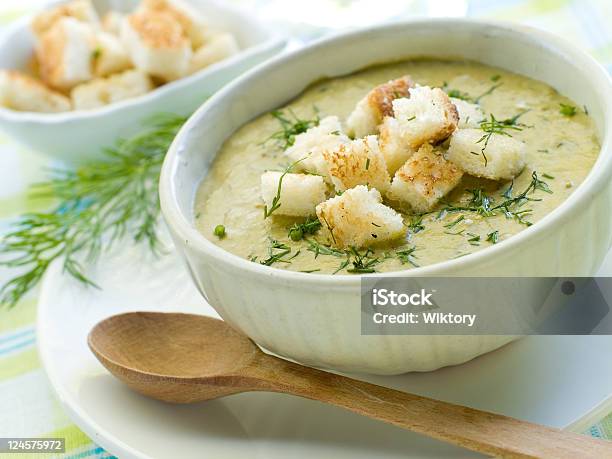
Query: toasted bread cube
[(191, 20), (157, 45), (357, 218), (358, 162), (104, 91), (65, 54), (218, 48), (24, 93), (109, 55), (428, 116), (299, 193), (378, 103), (393, 146), (424, 179), (112, 22), (502, 159), (470, 115), (309, 146), (81, 10)]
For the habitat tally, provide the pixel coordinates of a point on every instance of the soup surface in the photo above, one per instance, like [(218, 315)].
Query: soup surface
[(561, 149)]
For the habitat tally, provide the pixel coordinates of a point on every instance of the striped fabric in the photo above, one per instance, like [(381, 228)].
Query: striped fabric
[(27, 405)]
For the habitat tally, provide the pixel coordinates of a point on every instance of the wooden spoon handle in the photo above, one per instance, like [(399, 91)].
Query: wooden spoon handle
[(473, 429)]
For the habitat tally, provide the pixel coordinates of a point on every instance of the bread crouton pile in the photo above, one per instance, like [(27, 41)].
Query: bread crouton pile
[(82, 61), (407, 143)]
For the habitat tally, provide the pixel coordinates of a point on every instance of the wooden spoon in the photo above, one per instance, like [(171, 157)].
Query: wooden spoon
[(185, 358)]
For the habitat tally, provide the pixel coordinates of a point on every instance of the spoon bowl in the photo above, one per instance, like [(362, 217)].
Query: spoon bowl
[(160, 358)]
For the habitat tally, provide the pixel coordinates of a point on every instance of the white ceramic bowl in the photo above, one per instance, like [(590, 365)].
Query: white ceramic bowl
[(314, 318), (81, 135)]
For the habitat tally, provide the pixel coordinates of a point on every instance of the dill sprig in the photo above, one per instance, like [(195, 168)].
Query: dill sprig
[(99, 203), (511, 206), (278, 252), (276, 200), (495, 126), (309, 227), (291, 126)]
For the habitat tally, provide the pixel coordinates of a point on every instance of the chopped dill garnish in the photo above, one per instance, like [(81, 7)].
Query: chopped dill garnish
[(493, 237), (474, 239), (310, 271), (291, 126), (367, 164), (278, 252), (416, 224), (495, 126), (307, 228), (276, 200), (495, 78), (485, 205), (567, 110), (317, 248), (407, 256), (363, 263), (457, 94), (487, 92), (548, 176), (98, 204), (455, 222)]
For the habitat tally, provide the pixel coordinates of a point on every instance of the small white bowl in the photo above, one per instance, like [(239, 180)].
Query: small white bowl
[(315, 318), (79, 136)]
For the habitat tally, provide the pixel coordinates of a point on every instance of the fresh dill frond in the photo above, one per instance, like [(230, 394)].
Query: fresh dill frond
[(291, 126), (416, 224), (278, 252), (485, 205), (363, 262), (495, 126), (489, 91), (493, 237), (276, 200), (307, 228), (406, 256), (98, 204)]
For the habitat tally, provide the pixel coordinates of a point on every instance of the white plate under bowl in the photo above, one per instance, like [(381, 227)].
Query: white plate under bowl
[(558, 381)]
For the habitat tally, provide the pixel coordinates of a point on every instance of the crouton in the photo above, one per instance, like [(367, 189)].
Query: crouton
[(424, 179), (104, 91), (378, 103), (109, 55), (470, 115), (193, 23), (357, 218), (502, 159), (299, 193), (157, 45), (112, 21), (309, 146), (395, 149), (428, 116), (218, 48), (359, 162), (81, 10), (24, 93), (65, 54)]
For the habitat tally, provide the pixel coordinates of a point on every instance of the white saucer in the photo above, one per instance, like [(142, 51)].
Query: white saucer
[(559, 381)]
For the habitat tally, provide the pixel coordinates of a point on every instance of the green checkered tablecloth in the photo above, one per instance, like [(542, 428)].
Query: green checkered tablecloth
[(28, 407)]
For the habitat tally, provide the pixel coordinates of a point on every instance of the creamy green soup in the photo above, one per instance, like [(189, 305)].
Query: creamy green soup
[(561, 149)]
